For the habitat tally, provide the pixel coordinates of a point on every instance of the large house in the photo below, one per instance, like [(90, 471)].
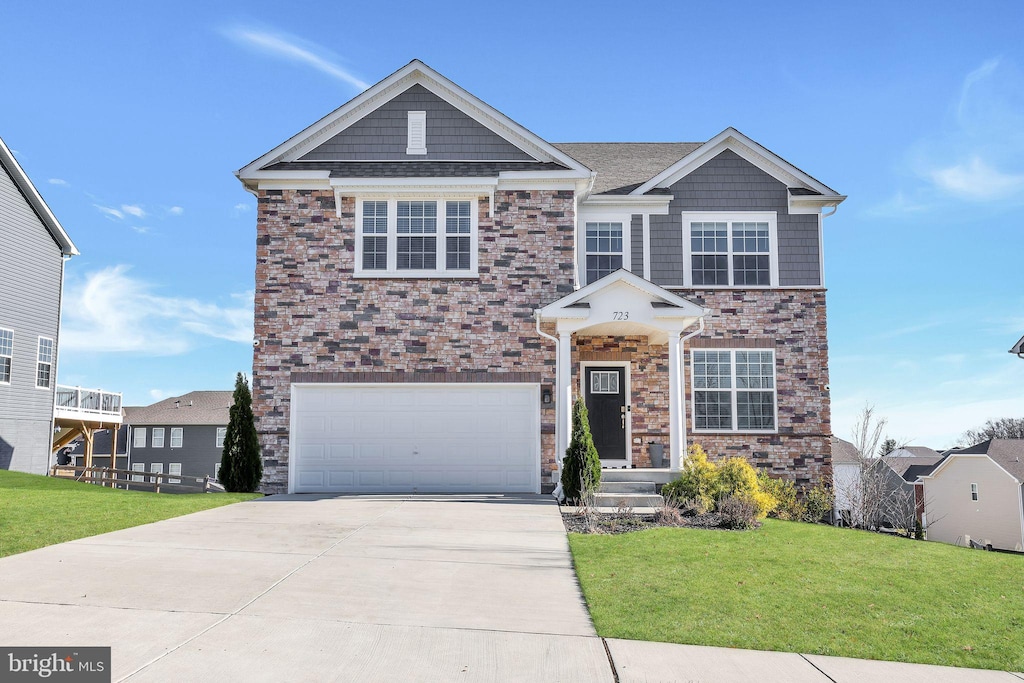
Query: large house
[(435, 284), (35, 246)]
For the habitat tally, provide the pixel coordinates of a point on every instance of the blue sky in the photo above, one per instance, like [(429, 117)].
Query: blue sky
[(131, 119)]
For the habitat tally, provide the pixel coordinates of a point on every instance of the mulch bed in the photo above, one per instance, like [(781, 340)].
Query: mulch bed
[(621, 523)]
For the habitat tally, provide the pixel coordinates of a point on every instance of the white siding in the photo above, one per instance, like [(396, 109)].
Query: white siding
[(951, 514)]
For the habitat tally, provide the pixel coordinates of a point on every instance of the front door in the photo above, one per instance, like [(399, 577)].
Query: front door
[(605, 396)]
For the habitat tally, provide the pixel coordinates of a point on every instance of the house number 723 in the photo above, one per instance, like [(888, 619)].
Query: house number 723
[(620, 315)]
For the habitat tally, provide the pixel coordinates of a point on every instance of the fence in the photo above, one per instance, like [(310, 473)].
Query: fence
[(136, 480)]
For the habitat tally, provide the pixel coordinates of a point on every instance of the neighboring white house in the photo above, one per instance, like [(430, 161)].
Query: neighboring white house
[(846, 468), (975, 494)]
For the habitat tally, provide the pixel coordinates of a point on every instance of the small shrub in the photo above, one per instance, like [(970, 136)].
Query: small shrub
[(818, 503), (736, 478), (581, 468), (737, 512), (787, 506), (668, 515), (692, 507), (698, 479)]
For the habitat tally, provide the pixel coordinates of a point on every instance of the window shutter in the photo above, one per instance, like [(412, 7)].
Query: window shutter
[(417, 143)]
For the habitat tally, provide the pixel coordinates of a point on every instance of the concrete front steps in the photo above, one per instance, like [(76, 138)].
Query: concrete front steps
[(634, 488)]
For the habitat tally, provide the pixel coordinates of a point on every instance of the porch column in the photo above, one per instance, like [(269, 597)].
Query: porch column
[(677, 437), (563, 400)]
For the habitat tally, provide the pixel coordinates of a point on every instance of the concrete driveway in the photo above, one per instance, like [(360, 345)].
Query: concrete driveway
[(307, 588)]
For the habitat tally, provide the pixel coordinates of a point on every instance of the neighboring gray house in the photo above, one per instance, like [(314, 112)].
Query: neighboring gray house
[(1018, 348), (101, 449), (31, 280), (904, 490), (915, 452), (975, 493), (179, 435)]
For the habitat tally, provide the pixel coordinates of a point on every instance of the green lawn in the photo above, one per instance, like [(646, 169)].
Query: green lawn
[(807, 588), (37, 511)]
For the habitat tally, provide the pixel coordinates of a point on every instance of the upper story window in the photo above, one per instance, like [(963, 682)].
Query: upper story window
[(604, 249), (222, 433), (731, 250), (158, 437), (176, 437), (417, 238), (139, 437), (44, 364), (734, 390), (6, 355)]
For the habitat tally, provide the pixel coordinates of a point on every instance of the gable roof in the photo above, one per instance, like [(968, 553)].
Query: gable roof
[(621, 167), (844, 452), (766, 160), (1007, 453), (911, 467), (1018, 348), (915, 452), (413, 73), (193, 408), (35, 200)]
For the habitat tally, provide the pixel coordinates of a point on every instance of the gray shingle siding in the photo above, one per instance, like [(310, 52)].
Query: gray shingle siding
[(451, 134), (30, 283), (728, 182), (636, 238)]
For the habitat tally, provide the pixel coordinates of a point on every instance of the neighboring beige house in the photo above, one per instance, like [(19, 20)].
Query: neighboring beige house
[(975, 494)]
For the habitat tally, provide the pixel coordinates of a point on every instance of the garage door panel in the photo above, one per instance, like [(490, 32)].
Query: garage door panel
[(407, 438)]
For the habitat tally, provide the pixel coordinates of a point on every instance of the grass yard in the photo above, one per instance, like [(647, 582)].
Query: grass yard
[(807, 588), (37, 511)]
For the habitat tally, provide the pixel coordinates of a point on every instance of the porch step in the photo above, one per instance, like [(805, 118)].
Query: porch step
[(627, 487), (631, 500), (658, 476)]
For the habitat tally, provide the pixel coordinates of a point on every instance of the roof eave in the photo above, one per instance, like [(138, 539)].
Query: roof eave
[(28, 189)]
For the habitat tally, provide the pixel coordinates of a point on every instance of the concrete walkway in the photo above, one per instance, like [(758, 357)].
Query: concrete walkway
[(307, 588)]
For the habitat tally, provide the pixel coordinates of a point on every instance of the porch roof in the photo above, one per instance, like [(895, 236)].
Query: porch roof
[(623, 304)]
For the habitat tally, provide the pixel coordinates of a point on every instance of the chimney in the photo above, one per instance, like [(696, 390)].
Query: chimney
[(177, 404)]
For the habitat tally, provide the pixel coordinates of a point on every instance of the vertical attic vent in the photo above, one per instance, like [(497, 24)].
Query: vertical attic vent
[(417, 133)]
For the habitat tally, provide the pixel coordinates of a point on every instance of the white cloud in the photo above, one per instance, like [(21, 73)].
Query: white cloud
[(242, 206), (295, 50), (109, 212), (133, 210), (982, 73), (898, 205), (110, 311), (175, 210), (142, 230), (158, 395), (977, 181), (57, 181)]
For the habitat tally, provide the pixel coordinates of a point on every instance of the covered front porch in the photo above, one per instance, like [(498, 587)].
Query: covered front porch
[(620, 346)]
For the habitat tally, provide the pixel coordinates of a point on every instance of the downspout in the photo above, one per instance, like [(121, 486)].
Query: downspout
[(557, 493), (682, 389)]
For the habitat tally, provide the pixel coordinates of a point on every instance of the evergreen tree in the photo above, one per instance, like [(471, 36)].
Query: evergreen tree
[(581, 468), (241, 467), (887, 447)]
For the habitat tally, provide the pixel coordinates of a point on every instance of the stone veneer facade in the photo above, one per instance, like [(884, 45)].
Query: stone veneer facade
[(315, 321), (789, 321)]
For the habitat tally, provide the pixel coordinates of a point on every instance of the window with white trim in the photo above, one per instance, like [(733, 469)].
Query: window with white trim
[(604, 249), (139, 437), (44, 363), (6, 355), (734, 390), (737, 250), (158, 437), (174, 468), (156, 468), (402, 238), (138, 467), (222, 433), (974, 492), (177, 436)]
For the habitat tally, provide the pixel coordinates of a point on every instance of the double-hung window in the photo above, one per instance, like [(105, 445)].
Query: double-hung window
[(734, 390), (417, 238), (604, 249), (222, 433), (44, 363), (139, 437), (737, 250), (158, 437), (176, 437), (6, 355)]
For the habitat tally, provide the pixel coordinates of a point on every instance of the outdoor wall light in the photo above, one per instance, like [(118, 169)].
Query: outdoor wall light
[(545, 396)]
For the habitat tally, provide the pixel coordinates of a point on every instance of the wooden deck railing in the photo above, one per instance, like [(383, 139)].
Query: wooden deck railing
[(134, 479)]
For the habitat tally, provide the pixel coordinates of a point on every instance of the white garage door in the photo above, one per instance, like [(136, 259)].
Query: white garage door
[(407, 438)]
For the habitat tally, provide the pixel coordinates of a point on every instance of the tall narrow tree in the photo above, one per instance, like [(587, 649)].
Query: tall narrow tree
[(241, 467), (581, 467)]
